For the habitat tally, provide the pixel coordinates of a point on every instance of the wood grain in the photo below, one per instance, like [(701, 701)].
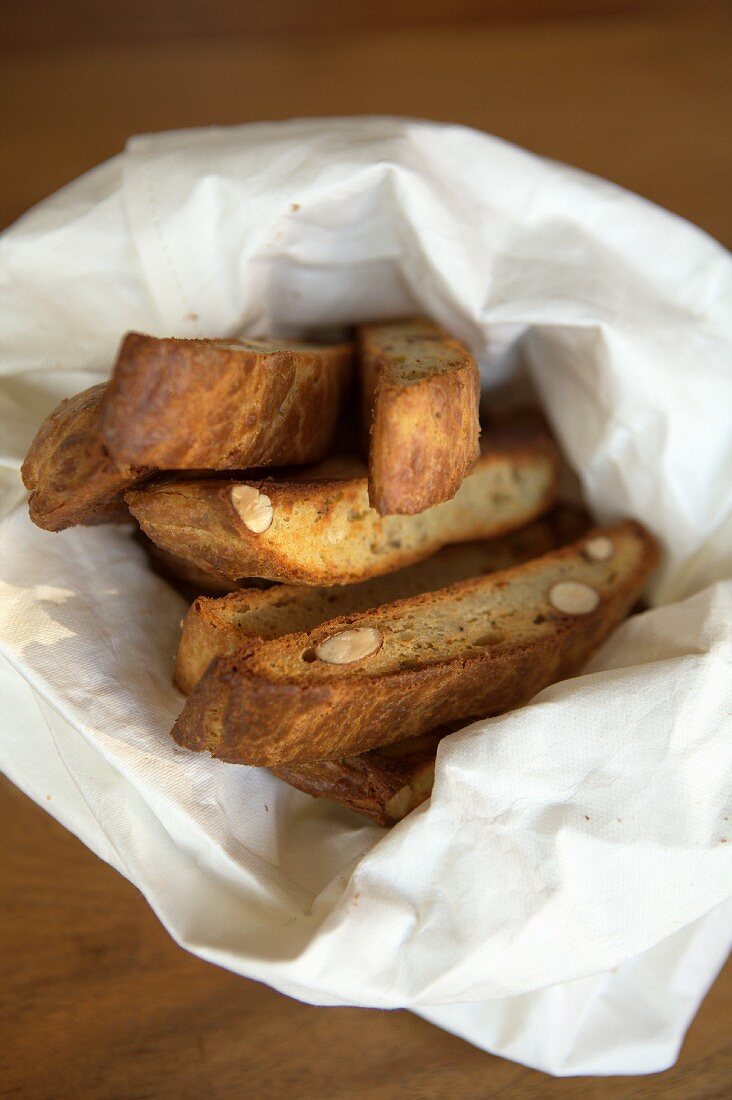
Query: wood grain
[(46, 21), (96, 1000), (100, 1003), (644, 99)]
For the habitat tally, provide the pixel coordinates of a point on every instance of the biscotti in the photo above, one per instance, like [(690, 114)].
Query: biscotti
[(71, 475), (477, 648), (216, 627), (420, 395), (384, 784), (183, 404), (323, 532), (223, 404), (190, 581)]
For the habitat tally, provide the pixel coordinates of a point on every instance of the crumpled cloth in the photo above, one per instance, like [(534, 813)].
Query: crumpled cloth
[(563, 900)]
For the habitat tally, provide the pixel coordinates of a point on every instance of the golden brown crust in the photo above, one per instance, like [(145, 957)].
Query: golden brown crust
[(187, 578), (193, 404), (324, 532), (217, 404), (216, 627), (274, 703), (420, 397), (71, 475), (384, 784)]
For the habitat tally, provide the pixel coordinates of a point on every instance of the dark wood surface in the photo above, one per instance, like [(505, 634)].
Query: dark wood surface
[(640, 94), (100, 1003), (96, 1000)]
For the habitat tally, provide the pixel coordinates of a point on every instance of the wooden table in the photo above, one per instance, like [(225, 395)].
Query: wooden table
[(98, 1001)]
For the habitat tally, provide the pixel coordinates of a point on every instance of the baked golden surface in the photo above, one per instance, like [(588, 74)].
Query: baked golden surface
[(420, 393), (319, 529), (477, 648), (223, 404), (215, 627)]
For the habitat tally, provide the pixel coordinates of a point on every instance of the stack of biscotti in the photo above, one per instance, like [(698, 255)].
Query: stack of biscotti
[(359, 592), (199, 405)]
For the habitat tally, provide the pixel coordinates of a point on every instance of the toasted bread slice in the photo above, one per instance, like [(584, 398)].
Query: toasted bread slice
[(420, 394), (223, 404), (216, 627), (71, 475), (477, 648), (384, 784), (309, 531)]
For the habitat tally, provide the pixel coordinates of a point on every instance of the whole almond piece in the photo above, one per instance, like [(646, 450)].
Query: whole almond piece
[(574, 597), (599, 548), (349, 645), (253, 508)]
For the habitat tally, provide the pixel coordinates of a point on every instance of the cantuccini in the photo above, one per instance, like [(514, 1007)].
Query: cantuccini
[(384, 784), (420, 393), (320, 530), (72, 477), (172, 404), (476, 648), (224, 404), (216, 627)]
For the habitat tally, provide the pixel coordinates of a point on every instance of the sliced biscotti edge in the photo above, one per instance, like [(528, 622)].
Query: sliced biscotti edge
[(323, 532), (420, 399), (384, 784), (72, 477), (187, 578), (214, 627), (224, 404), (477, 648)]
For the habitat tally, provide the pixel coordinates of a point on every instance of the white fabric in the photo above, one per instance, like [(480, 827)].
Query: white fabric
[(561, 900)]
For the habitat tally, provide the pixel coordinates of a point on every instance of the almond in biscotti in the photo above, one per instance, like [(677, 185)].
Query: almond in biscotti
[(574, 597), (599, 548), (253, 508), (347, 646)]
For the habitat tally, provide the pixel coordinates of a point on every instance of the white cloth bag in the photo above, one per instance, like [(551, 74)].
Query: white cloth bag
[(564, 898)]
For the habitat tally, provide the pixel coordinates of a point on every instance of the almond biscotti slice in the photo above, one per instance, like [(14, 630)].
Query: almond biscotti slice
[(420, 393), (323, 532), (216, 627), (203, 404), (223, 404), (477, 648), (384, 784), (72, 477)]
